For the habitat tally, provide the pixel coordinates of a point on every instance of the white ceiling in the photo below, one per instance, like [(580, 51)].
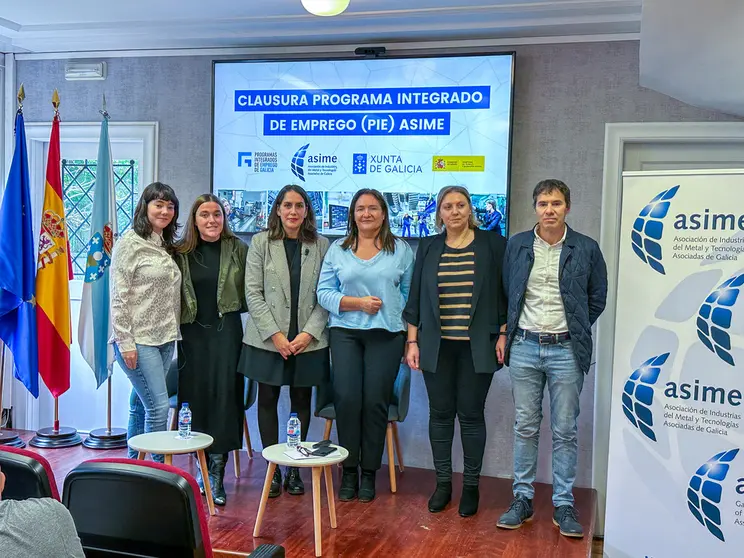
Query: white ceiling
[(47, 26)]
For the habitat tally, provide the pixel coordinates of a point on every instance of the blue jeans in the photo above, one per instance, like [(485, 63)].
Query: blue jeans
[(530, 366), (148, 402)]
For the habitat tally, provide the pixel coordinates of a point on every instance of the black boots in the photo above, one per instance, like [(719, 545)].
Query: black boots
[(441, 497), (349, 484), (216, 464), (276, 483), (293, 483), (469, 500), (367, 487)]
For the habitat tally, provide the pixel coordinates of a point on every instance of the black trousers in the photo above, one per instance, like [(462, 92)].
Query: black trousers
[(268, 422), (365, 365), (455, 389)]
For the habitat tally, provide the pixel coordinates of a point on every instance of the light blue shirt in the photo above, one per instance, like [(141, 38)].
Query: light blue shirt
[(386, 276)]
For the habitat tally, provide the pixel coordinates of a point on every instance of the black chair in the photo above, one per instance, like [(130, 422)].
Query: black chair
[(123, 507), (28, 475)]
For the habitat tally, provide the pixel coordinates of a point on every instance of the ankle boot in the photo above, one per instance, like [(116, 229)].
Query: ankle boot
[(217, 463), (276, 483), (441, 497), (349, 484), (469, 500), (293, 483), (367, 486)]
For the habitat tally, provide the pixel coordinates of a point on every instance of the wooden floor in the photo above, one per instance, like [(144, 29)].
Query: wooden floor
[(394, 525)]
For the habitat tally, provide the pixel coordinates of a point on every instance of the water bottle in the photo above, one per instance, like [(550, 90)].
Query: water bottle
[(293, 431), (184, 421)]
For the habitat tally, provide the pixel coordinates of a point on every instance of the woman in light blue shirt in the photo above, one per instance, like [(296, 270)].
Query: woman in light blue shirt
[(364, 284)]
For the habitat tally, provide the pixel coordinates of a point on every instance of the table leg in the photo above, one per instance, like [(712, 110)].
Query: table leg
[(316, 510), (264, 498), (329, 493), (205, 478), (141, 456), (168, 459)]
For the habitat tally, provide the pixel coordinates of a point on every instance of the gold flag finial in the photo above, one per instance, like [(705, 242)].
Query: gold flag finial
[(21, 95), (55, 100)]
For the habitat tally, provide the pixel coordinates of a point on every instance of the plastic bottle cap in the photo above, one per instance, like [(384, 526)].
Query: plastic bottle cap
[(184, 404), (292, 415)]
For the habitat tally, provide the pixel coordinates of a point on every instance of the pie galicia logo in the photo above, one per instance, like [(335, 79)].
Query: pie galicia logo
[(714, 318), (638, 395), (648, 229), (298, 162), (705, 490)]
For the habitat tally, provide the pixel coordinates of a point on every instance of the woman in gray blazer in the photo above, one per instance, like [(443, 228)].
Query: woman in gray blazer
[(286, 339)]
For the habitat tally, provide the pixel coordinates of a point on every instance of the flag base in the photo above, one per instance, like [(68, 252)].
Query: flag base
[(65, 437), (11, 439), (103, 439)]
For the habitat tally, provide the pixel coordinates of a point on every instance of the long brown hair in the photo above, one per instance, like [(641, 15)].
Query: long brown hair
[(472, 221), (385, 236), (308, 229), (191, 237)]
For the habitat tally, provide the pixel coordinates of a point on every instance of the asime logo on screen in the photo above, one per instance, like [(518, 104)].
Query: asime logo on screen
[(705, 490), (648, 229), (298, 162), (638, 395), (715, 315)]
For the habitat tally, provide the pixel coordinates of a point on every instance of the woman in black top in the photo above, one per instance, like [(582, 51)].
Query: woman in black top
[(286, 340), (212, 263), (456, 316)]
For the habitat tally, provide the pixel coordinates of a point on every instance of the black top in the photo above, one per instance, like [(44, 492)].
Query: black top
[(455, 283), (488, 304), (291, 248), (204, 267)]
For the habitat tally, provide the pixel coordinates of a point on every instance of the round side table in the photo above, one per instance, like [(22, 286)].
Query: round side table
[(274, 455), (169, 444)]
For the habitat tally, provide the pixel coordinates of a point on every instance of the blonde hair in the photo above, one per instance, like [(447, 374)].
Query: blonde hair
[(472, 221)]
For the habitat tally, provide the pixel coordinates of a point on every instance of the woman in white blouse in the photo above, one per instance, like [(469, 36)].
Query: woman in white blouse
[(145, 307)]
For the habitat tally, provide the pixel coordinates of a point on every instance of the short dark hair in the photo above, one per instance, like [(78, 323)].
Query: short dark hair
[(550, 185), (308, 229), (140, 222)]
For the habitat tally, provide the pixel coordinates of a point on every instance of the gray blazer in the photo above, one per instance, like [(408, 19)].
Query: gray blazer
[(268, 296)]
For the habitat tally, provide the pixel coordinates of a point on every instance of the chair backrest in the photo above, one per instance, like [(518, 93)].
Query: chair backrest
[(402, 391), (27, 474), (171, 378), (125, 507)]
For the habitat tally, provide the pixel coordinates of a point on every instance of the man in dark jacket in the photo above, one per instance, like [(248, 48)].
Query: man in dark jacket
[(556, 283)]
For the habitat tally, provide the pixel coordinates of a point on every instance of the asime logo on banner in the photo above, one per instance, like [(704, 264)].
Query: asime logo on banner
[(638, 395), (648, 229), (715, 315), (706, 490)]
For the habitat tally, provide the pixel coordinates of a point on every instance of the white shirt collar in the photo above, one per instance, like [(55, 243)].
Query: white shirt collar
[(559, 243)]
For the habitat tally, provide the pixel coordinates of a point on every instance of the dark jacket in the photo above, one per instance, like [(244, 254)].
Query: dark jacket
[(488, 311), (583, 282), (230, 282)]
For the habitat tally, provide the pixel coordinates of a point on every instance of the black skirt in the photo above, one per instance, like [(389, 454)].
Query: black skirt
[(311, 368)]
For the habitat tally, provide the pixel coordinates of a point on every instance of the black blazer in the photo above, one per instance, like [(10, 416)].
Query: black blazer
[(488, 312)]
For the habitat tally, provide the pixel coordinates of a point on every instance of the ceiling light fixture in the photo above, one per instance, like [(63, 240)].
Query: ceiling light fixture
[(325, 7)]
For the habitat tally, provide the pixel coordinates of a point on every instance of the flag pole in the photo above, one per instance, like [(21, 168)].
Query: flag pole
[(57, 436), (7, 438), (108, 437)]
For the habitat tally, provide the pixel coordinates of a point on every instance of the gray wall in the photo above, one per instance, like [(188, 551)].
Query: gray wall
[(564, 96)]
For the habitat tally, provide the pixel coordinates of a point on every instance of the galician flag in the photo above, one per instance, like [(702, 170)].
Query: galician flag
[(53, 275), (94, 327)]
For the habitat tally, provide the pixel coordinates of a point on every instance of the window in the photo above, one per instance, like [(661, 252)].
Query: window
[(78, 184)]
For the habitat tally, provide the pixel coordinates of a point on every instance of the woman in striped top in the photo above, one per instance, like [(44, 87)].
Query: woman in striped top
[(456, 314)]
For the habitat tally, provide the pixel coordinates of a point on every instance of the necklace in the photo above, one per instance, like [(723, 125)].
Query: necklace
[(462, 240)]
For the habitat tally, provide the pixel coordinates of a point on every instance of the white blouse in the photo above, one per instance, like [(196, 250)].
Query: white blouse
[(145, 293)]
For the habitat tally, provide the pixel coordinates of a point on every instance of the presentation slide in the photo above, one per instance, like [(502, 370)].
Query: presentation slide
[(404, 126)]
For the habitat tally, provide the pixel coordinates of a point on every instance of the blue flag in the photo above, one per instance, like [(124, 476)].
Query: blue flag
[(18, 268), (94, 325)]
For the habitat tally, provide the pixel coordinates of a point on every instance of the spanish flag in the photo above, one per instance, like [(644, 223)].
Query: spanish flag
[(53, 275)]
